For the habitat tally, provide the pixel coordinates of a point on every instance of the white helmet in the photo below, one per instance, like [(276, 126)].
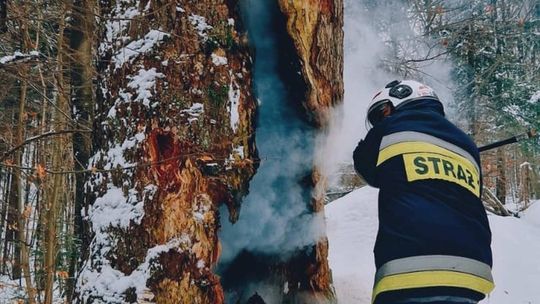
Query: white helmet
[(395, 95)]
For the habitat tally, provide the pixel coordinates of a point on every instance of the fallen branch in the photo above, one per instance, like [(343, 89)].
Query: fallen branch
[(490, 209), (494, 203)]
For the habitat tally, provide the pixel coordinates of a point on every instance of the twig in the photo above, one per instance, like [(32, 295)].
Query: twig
[(33, 138)]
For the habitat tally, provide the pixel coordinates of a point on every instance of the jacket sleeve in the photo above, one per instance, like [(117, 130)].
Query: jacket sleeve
[(365, 157)]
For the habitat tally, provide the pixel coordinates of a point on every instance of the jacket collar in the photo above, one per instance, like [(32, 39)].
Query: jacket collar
[(423, 104)]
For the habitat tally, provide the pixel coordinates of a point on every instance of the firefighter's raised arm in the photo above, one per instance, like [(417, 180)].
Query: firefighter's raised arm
[(365, 157)]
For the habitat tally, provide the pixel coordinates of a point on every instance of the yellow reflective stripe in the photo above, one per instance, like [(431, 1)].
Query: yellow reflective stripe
[(416, 146), (408, 136), (432, 279), (420, 166)]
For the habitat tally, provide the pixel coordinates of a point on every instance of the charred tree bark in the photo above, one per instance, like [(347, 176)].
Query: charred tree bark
[(173, 142), (298, 78), (316, 27)]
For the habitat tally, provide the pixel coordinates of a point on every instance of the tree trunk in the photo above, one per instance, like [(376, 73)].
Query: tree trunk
[(21, 206), (54, 197), (3, 212), (500, 182), (45, 147), (12, 235), (21, 197), (473, 98), (50, 223), (82, 66), (316, 28), (173, 142), (3, 16), (525, 182)]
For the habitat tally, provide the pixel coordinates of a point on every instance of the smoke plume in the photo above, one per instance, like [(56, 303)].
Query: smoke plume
[(275, 218), (377, 35)]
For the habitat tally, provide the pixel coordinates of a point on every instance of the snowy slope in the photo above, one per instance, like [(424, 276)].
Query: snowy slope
[(352, 227)]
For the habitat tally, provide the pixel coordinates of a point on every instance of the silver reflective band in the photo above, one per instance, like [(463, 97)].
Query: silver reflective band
[(405, 136), (434, 262)]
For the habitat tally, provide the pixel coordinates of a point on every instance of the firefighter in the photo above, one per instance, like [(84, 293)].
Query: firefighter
[(433, 241)]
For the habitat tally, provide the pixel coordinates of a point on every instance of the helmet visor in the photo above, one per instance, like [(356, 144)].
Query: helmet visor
[(379, 111)]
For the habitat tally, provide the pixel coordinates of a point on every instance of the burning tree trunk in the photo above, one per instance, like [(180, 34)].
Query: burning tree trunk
[(173, 141), (282, 257), (316, 27)]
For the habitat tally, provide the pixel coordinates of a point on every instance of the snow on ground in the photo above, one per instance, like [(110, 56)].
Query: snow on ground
[(352, 227), (14, 291), (516, 254), (10, 290)]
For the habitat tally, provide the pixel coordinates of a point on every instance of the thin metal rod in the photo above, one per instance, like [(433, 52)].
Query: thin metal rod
[(529, 134)]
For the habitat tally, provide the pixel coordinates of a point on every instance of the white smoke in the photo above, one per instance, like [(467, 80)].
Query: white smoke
[(275, 218), (378, 34)]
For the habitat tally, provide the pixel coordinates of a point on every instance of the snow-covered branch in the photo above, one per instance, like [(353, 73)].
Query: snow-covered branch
[(18, 57)]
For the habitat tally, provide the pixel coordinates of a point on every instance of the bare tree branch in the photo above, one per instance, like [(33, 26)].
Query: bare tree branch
[(37, 137)]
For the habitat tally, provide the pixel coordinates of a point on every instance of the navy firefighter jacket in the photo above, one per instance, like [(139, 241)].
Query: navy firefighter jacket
[(433, 229)]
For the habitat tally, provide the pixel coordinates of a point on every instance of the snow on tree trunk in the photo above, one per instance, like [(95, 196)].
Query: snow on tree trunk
[(173, 141)]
